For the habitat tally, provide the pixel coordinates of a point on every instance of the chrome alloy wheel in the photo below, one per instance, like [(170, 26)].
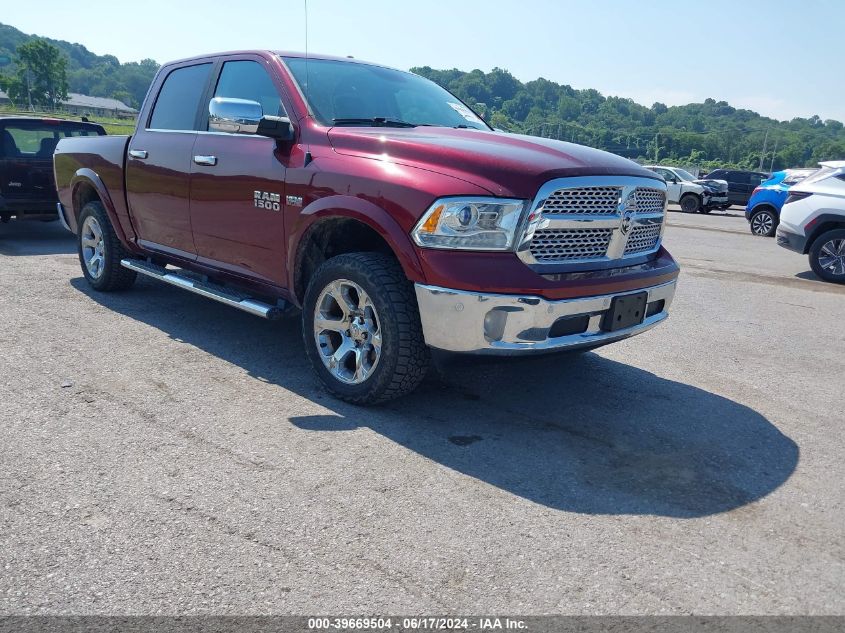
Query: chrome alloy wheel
[(92, 247), (832, 256), (347, 331), (761, 224)]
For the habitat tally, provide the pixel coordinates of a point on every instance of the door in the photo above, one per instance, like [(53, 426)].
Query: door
[(238, 185), (158, 165), (754, 181), (673, 188), (737, 187)]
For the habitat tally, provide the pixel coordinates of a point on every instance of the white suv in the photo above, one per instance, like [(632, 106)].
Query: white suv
[(812, 220), (692, 195)]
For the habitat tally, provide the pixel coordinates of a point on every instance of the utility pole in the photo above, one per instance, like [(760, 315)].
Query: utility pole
[(28, 89), (774, 151), (763, 153), (656, 147)]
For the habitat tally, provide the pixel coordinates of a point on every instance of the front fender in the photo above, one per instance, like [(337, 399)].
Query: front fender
[(354, 208)]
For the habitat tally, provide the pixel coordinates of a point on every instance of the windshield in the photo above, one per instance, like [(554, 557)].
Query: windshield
[(349, 93), (684, 175)]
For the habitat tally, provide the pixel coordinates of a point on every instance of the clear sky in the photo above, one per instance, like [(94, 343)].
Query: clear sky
[(781, 58)]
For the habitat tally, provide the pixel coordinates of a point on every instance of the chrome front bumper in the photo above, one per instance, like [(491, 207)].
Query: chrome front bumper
[(461, 321)]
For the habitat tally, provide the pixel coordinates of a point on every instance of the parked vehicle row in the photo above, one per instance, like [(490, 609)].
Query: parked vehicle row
[(380, 204)]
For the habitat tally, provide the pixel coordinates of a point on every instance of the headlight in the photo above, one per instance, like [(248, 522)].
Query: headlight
[(479, 224)]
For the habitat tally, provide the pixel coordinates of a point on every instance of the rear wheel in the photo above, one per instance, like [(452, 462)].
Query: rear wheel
[(764, 223), (827, 256), (690, 203), (362, 329), (100, 251)]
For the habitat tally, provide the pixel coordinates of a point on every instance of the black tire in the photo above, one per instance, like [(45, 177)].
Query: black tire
[(690, 203), (113, 276), (827, 244), (763, 223), (404, 358)]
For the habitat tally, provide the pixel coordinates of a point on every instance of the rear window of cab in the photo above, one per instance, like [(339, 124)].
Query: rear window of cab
[(39, 139)]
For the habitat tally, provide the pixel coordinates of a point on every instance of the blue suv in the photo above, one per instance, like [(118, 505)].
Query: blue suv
[(763, 210)]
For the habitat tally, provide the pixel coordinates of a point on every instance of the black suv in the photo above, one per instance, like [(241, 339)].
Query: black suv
[(27, 186), (740, 183)]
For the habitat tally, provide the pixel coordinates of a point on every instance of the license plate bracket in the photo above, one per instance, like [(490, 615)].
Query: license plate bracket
[(625, 311)]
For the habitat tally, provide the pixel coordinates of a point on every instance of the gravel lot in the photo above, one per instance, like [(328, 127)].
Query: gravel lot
[(165, 454)]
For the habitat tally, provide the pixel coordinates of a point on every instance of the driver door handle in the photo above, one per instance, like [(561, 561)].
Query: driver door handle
[(210, 161), (138, 153)]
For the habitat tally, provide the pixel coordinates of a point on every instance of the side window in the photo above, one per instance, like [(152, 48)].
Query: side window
[(665, 174), (179, 98), (248, 80)]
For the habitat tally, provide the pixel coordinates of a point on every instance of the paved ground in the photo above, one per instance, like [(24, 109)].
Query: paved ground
[(165, 454)]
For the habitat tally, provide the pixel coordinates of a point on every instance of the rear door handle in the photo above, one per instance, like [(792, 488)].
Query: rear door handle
[(138, 153), (210, 161)]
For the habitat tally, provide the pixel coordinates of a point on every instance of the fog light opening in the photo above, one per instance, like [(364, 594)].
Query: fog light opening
[(494, 325), (567, 326)]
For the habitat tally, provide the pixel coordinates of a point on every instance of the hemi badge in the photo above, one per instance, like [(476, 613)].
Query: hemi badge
[(294, 201)]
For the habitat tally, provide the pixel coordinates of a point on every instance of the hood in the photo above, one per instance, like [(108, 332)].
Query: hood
[(505, 164), (713, 185)]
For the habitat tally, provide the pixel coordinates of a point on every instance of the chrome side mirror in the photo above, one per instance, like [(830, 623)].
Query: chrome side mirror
[(236, 116)]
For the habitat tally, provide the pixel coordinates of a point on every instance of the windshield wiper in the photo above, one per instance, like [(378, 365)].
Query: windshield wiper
[(378, 121)]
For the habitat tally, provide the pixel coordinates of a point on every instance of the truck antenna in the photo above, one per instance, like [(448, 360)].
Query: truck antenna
[(308, 157)]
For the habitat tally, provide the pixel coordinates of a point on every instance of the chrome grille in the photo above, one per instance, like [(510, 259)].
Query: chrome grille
[(569, 244), (583, 201), (595, 220), (650, 200), (643, 238)]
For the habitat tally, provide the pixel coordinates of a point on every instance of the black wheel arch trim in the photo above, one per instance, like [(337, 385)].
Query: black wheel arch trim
[(823, 223)]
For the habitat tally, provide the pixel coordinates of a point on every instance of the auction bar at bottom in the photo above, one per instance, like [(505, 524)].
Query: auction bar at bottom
[(411, 623)]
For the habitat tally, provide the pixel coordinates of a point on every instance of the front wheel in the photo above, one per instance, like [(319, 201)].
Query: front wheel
[(764, 223), (827, 256), (690, 203), (362, 330)]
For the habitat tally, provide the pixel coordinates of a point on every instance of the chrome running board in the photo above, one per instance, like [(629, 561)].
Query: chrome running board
[(184, 280)]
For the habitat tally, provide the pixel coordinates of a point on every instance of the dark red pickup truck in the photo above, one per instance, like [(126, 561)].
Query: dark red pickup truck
[(380, 204)]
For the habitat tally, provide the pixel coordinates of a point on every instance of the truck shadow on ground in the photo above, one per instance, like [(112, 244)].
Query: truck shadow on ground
[(33, 237), (577, 433)]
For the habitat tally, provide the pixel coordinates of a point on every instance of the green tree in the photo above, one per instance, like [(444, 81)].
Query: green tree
[(41, 75)]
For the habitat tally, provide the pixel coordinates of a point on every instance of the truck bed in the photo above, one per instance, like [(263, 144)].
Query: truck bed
[(104, 156)]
